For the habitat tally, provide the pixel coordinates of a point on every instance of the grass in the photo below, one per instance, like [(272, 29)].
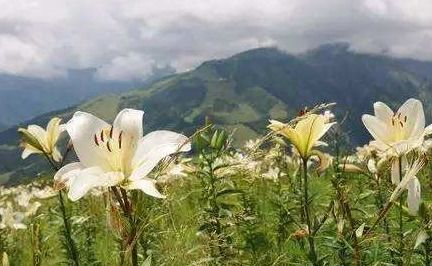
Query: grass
[(172, 236), (259, 219)]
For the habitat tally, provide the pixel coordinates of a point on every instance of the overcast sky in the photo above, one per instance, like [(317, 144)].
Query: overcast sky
[(125, 38)]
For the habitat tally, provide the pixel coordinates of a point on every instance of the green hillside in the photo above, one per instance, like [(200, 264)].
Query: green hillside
[(244, 91)]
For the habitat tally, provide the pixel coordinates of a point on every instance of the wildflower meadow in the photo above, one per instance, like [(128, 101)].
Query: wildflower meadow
[(298, 195)]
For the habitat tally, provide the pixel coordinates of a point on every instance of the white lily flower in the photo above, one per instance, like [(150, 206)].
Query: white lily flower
[(398, 133), (35, 139), (117, 154), (401, 131)]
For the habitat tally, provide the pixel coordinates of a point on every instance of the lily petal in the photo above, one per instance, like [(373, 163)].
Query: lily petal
[(28, 150), (131, 122), (39, 133), (318, 132), (375, 127), (154, 147), (56, 154), (146, 185), (410, 174), (383, 112), (53, 131), (67, 173), (82, 129), (395, 173), (415, 124), (414, 195), (288, 132), (90, 178)]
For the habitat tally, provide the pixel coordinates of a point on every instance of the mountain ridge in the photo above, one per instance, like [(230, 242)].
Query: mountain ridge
[(245, 90), (26, 97)]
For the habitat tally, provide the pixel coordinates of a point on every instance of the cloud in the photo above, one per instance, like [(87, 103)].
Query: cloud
[(124, 39)]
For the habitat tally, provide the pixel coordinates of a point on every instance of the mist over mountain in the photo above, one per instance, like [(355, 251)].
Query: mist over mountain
[(243, 91), (22, 98)]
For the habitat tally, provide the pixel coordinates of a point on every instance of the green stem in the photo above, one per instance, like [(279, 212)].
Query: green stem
[(401, 245), (68, 235), (129, 214), (311, 240), (427, 248), (73, 251), (122, 206), (347, 211), (2, 242), (126, 206), (380, 205)]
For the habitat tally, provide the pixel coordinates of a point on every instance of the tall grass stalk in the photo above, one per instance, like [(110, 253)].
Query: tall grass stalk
[(36, 244), (342, 197)]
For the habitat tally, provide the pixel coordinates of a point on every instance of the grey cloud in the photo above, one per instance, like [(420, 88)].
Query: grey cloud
[(126, 39)]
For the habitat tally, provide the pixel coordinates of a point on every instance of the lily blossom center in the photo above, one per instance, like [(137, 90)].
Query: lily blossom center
[(115, 145), (399, 122)]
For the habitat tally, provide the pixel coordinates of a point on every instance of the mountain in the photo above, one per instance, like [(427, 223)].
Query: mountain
[(243, 91), (23, 98)]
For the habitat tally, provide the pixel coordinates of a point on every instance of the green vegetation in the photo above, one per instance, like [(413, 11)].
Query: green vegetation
[(232, 207), (238, 202)]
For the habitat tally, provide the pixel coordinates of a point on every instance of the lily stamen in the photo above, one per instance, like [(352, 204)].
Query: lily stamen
[(96, 140), (120, 139)]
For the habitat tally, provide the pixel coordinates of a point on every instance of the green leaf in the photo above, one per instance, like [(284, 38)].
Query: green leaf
[(214, 139), (221, 139), (228, 191)]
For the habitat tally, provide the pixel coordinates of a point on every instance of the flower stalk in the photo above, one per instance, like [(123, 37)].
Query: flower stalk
[(132, 234), (380, 206), (67, 232), (400, 221), (312, 249), (73, 251)]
